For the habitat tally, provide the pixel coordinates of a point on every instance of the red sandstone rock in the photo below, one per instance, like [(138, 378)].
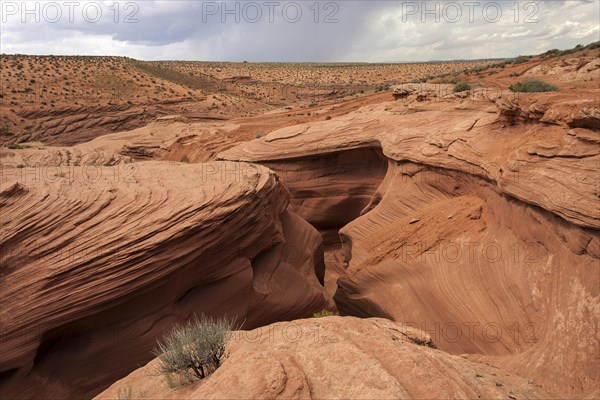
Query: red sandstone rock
[(484, 230), (335, 357), (97, 263)]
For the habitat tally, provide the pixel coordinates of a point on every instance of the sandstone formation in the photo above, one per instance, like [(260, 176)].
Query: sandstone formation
[(467, 222), (569, 69), (71, 125), (335, 357), (96, 264), (67, 100), (482, 229)]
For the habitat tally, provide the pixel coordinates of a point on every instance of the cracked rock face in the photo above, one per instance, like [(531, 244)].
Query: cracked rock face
[(335, 357), (124, 256)]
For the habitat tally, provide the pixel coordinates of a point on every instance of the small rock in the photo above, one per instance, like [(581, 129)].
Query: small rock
[(400, 93), (414, 221), (476, 214)]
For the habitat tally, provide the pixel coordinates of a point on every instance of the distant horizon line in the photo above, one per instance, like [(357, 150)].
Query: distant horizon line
[(578, 47), (264, 62)]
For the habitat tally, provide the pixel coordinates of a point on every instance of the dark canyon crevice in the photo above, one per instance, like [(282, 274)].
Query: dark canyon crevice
[(483, 272), (330, 191)]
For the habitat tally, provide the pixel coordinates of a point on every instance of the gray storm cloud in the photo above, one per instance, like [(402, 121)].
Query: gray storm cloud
[(366, 31)]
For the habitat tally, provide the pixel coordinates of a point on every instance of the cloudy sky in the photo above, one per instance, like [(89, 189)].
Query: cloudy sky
[(367, 31)]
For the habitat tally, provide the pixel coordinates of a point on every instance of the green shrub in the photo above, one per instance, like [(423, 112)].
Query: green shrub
[(15, 146), (480, 68), (533, 85), (552, 52), (195, 349), (461, 87), (521, 59), (325, 313), (569, 51), (258, 135), (595, 45)]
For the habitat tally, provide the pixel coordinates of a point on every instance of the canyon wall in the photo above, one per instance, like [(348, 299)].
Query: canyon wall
[(97, 264), (484, 231)]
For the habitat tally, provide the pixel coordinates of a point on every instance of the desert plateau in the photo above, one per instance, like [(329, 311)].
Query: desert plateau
[(296, 222)]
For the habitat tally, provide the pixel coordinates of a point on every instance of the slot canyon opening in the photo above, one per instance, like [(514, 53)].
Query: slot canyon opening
[(447, 252), (331, 190)]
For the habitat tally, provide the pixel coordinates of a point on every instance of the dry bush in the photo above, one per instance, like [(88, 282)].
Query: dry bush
[(195, 349)]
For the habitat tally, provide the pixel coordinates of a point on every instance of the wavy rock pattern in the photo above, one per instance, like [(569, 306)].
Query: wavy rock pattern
[(95, 268), (470, 137), (484, 231)]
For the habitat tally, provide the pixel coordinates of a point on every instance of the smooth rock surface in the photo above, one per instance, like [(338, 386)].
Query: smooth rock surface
[(335, 358), (97, 263), (484, 231)]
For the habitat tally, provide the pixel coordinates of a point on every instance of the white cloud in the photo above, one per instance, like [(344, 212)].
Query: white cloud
[(366, 30)]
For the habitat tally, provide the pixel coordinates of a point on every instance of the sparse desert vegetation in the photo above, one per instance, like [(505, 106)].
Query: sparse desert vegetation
[(196, 349), (325, 313), (533, 85), (379, 230), (461, 87), (38, 91), (122, 93)]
